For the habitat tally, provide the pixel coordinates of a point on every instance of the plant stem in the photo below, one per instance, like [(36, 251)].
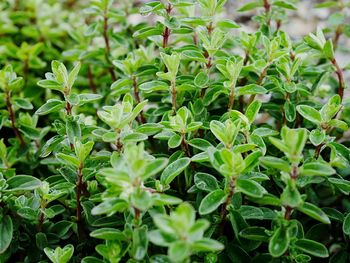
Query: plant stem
[(41, 217), (288, 212), (231, 98), (184, 145), (137, 213), (91, 80), (79, 187), (232, 185), (107, 45), (166, 34), (337, 35), (278, 24), (166, 31), (118, 145), (267, 7), (340, 76), (210, 28), (141, 118), (294, 173), (318, 151), (13, 119)]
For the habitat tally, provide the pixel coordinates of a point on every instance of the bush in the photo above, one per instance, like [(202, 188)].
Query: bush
[(181, 140)]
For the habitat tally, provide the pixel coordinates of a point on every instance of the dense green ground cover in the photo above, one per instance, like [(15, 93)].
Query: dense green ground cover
[(175, 136)]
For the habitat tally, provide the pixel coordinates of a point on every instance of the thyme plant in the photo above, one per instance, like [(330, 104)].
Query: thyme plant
[(165, 131)]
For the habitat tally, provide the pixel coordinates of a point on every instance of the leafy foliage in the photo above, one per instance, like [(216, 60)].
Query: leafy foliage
[(173, 141)]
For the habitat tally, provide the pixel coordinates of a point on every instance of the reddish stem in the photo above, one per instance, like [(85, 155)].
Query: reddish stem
[(166, 31), (184, 146), (267, 7), (294, 173), (318, 151), (340, 76), (13, 119), (108, 48), (337, 35), (288, 212)]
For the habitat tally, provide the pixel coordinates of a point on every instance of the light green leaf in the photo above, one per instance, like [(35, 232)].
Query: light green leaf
[(212, 201), (173, 170)]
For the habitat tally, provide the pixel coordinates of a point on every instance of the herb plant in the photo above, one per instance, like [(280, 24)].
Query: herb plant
[(163, 131)]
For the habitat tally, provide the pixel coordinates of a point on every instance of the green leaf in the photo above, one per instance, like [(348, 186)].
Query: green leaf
[(317, 169), (326, 4), (276, 163), (207, 244), (342, 184), (212, 201), (312, 247), (227, 23), (6, 232), (73, 130), (342, 125), (22, 183), (200, 144), (174, 141), (86, 97), (147, 32), (140, 243), (310, 114), (51, 105), (250, 188), (179, 251), (60, 255), (328, 49), (289, 111), (251, 89), (194, 55), (108, 234), (314, 212), (22, 103), (317, 136), (255, 233), (291, 196), (30, 132), (73, 75), (16, 84), (205, 182), (279, 242), (346, 224), (173, 170), (253, 110), (68, 159), (250, 6), (50, 84), (285, 5), (201, 79), (41, 240), (155, 85)]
